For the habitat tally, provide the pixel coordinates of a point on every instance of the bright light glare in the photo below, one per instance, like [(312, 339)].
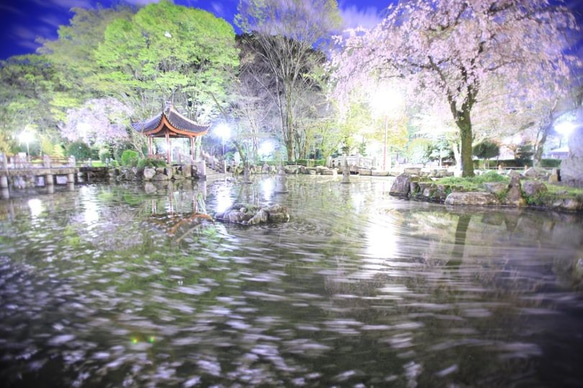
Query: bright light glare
[(267, 188), (223, 131), (266, 148), (26, 137), (565, 128), (386, 100), (223, 200), (36, 207)]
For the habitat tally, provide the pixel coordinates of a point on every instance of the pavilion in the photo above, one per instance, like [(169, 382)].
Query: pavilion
[(170, 124)]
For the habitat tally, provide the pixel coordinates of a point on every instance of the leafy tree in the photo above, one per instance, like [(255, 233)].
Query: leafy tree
[(487, 149), (166, 51), (72, 54), (80, 150), (452, 50), (285, 33), (418, 150), (28, 84)]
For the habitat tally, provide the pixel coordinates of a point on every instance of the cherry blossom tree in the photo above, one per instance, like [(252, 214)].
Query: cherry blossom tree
[(97, 121), (450, 51)]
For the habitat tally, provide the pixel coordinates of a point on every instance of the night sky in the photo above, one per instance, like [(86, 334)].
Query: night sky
[(23, 21)]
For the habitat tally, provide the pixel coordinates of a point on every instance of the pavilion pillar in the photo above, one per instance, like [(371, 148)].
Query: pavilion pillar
[(192, 149), (168, 150), (150, 153)]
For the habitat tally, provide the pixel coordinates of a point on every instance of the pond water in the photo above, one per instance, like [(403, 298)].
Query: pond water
[(132, 286)]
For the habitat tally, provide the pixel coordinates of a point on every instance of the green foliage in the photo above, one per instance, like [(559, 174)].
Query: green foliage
[(27, 87), (118, 150), (152, 163), (475, 183), (510, 163), (80, 150), (129, 158), (6, 143), (487, 149), (58, 151), (418, 150), (362, 148), (166, 49), (524, 152), (104, 154), (552, 163)]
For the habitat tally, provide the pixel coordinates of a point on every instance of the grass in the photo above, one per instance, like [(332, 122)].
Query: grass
[(565, 190), (475, 183)]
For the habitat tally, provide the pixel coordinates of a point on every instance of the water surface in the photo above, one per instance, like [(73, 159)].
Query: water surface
[(133, 286)]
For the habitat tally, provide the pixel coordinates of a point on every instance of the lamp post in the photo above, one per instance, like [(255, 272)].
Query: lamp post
[(224, 132), (26, 137)]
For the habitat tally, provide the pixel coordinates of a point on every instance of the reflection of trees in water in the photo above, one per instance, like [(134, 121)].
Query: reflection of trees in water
[(465, 291)]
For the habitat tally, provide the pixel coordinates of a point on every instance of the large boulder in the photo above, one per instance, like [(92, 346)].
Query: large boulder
[(533, 188), (149, 173), (401, 186), (496, 188), (572, 167), (472, 198), (572, 170), (536, 173), (253, 215), (514, 194)]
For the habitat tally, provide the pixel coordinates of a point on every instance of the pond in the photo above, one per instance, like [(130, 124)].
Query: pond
[(133, 286)]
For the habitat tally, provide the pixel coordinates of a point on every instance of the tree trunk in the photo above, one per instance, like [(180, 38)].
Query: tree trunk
[(539, 146), (465, 126), (457, 156)]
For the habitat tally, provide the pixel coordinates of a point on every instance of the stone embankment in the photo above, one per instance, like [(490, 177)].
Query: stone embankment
[(521, 191)]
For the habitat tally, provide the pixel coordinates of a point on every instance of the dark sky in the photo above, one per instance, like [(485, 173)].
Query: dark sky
[(23, 21)]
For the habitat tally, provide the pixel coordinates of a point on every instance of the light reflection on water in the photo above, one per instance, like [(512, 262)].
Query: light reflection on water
[(116, 286)]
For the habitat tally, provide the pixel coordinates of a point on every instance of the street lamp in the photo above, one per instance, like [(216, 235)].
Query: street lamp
[(224, 132), (385, 102), (26, 137), (565, 128)]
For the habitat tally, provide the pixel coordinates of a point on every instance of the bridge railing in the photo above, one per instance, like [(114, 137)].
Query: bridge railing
[(21, 161), (354, 161)]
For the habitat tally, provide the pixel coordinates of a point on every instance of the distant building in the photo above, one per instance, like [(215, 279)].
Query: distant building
[(558, 153)]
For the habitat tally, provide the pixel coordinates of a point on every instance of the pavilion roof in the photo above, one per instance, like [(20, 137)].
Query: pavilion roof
[(171, 122)]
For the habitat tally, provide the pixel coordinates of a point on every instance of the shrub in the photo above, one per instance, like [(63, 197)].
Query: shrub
[(474, 183), (152, 163), (79, 150), (104, 154), (486, 150), (552, 163), (129, 158)]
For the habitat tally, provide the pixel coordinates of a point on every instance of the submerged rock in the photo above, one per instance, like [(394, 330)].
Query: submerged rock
[(245, 214)]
